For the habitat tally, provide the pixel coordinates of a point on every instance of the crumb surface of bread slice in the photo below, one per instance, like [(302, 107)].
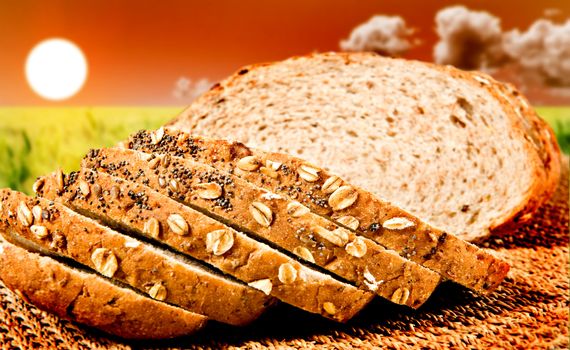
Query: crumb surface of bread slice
[(271, 218), (460, 150), (165, 220), (91, 300), (152, 271), (317, 188)]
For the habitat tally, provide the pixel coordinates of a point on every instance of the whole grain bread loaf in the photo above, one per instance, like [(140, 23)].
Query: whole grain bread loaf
[(317, 188), (150, 270), (459, 150), (274, 219), (89, 299), (137, 209)]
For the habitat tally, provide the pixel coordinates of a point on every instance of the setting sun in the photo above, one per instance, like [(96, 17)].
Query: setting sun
[(56, 69)]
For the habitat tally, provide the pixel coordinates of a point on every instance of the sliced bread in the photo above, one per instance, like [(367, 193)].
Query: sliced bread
[(138, 209), (150, 270), (269, 217), (89, 299), (318, 189), (459, 150)]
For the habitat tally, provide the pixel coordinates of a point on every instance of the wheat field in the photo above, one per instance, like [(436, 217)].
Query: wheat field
[(35, 141)]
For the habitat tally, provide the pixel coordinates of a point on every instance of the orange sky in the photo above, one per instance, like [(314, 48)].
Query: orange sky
[(138, 49)]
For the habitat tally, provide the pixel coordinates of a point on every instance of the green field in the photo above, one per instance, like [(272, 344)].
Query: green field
[(35, 141)]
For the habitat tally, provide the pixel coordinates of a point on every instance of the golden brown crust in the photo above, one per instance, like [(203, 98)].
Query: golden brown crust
[(117, 256), (451, 257), (91, 300), (271, 217), (540, 141), (231, 251)]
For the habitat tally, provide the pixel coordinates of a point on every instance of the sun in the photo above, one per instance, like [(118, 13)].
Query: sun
[(56, 69)]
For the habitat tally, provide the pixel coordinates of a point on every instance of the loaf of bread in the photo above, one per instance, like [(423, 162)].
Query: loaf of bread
[(274, 219), (319, 190), (365, 177), (89, 299), (139, 210), (150, 270), (459, 150)]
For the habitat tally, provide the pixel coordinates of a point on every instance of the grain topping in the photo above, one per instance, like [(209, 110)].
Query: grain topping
[(248, 163), (157, 291), (209, 190), (397, 223), (177, 224), (219, 242), (105, 261), (287, 273), (261, 213), (343, 197), (263, 285), (308, 173)]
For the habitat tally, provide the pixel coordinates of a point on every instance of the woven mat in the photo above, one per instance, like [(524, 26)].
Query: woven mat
[(529, 310)]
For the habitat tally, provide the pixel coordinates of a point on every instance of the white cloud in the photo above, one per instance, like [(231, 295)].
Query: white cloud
[(475, 40), (187, 90), (542, 51), (386, 35), (468, 39)]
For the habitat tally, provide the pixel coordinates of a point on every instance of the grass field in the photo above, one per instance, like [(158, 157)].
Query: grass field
[(35, 141)]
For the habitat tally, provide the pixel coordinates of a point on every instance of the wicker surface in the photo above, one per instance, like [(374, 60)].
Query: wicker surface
[(529, 310)]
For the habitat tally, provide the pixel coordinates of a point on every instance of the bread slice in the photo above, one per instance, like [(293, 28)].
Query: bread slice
[(459, 150), (272, 218), (91, 300), (150, 270), (138, 209), (317, 188)]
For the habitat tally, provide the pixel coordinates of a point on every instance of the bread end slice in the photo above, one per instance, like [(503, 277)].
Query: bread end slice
[(91, 300)]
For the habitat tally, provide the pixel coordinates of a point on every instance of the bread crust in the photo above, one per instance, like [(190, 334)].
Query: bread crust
[(91, 300), (540, 142), (378, 269), (150, 271), (444, 253), (245, 258)]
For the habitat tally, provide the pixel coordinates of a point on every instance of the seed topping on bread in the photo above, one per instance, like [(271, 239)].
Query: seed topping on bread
[(152, 227), (397, 223), (248, 163), (308, 172), (356, 248), (343, 197), (105, 261), (329, 307), (349, 221), (304, 253), (24, 214), (263, 285), (287, 273), (331, 184), (210, 190), (177, 224), (261, 213), (296, 209), (219, 242), (39, 231), (158, 291)]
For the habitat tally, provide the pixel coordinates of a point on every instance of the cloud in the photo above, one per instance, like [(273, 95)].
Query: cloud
[(475, 40), (468, 39), (187, 90), (386, 35), (543, 51)]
